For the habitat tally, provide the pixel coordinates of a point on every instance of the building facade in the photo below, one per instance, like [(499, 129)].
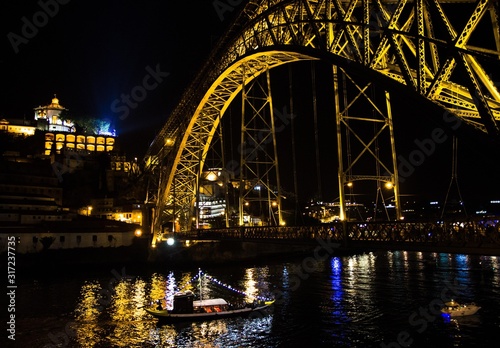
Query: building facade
[(52, 116), (60, 133), (70, 235)]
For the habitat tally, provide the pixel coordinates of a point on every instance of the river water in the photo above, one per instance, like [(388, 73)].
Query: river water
[(382, 299)]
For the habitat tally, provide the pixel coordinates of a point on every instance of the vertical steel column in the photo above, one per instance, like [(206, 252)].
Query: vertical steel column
[(395, 175), (259, 163), (338, 118), (275, 149), (241, 201), (367, 146)]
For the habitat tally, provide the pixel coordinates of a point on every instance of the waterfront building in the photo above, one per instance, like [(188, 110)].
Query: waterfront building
[(30, 194), (49, 167), (39, 184), (109, 208), (29, 209), (78, 233)]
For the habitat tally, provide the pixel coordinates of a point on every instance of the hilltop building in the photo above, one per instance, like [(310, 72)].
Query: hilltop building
[(60, 133), (51, 117), (52, 173)]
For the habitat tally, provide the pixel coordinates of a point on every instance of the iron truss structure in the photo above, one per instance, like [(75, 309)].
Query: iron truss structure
[(439, 51)]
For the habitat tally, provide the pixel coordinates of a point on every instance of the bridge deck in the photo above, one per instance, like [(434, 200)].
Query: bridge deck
[(464, 237)]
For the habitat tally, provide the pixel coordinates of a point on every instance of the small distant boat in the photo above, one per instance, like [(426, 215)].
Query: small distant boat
[(454, 309), (187, 309)]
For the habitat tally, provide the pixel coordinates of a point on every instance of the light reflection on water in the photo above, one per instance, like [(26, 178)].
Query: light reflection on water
[(124, 323), (346, 301), (88, 331), (218, 333)]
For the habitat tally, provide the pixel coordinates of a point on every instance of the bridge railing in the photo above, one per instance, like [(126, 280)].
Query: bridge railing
[(332, 231), (427, 232), (456, 232)]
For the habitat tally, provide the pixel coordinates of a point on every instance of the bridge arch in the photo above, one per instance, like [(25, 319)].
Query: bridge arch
[(394, 40)]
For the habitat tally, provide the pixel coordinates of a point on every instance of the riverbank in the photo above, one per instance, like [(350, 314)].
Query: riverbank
[(213, 253), (140, 254)]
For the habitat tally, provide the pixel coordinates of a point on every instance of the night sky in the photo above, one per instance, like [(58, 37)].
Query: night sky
[(92, 53)]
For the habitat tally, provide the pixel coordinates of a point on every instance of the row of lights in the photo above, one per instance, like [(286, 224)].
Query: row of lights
[(388, 185), (218, 282)]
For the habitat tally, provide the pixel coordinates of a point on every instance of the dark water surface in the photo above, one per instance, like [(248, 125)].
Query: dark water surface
[(383, 299)]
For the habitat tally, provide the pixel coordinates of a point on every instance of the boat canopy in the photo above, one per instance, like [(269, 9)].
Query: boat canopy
[(184, 293), (451, 304), (210, 302)]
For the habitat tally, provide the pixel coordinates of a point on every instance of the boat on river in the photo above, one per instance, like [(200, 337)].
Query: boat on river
[(454, 309), (187, 309)]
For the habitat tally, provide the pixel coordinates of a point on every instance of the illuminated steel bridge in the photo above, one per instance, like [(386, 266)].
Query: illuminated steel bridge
[(438, 53)]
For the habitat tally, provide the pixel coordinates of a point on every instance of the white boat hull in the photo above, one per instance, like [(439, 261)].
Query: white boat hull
[(168, 316), (461, 311)]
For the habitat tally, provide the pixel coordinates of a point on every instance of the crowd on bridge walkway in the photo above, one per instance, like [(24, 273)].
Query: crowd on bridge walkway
[(481, 231)]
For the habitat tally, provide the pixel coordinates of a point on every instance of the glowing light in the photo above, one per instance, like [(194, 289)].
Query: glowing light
[(389, 185), (87, 311), (138, 232), (229, 287), (211, 176), (170, 241), (250, 283)]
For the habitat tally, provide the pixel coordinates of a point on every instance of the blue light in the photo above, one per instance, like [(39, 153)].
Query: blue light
[(446, 317)]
